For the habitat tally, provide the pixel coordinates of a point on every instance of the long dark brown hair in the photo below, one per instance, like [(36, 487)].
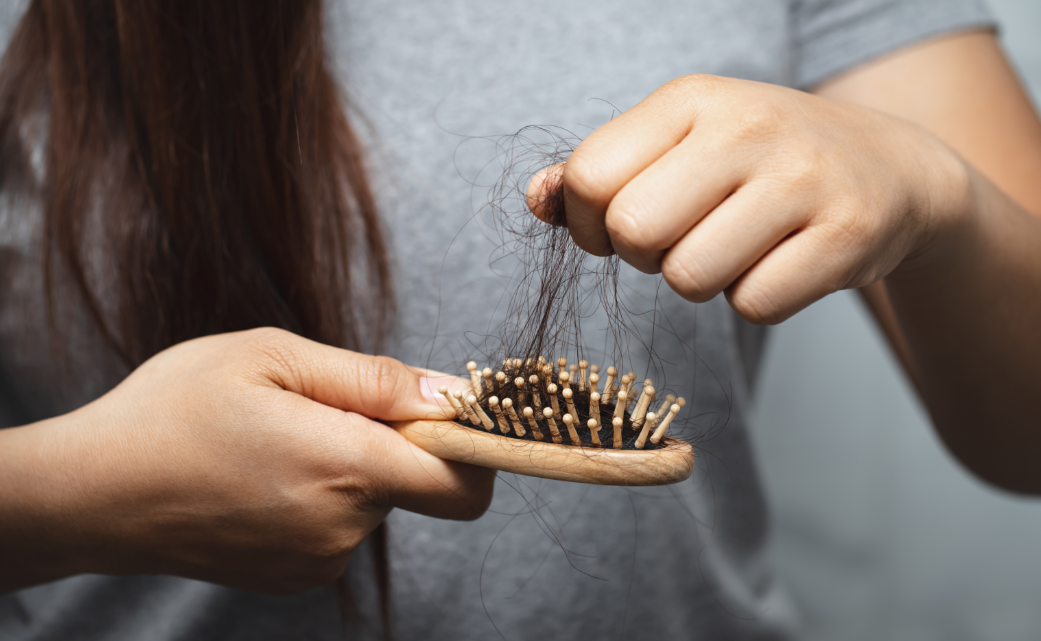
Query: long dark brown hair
[(205, 147), (197, 174)]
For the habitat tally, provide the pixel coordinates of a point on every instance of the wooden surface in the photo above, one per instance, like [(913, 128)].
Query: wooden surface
[(607, 466)]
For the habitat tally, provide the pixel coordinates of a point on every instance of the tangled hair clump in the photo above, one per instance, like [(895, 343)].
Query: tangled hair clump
[(559, 284)]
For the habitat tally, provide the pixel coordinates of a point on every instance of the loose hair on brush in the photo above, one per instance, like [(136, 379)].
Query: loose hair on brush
[(196, 174), (553, 286)]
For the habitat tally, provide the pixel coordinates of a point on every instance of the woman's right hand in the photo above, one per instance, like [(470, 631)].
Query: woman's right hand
[(251, 460)]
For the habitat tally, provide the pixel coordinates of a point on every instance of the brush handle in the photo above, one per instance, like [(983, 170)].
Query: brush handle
[(669, 464)]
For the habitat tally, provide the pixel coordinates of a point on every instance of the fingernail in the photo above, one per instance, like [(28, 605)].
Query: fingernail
[(428, 387)]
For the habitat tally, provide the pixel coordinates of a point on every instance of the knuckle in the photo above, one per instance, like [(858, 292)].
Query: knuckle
[(849, 228), (756, 305), (584, 178), (693, 83), (760, 120), (385, 376), (687, 278), (273, 352), (270, 343), (623, 223), (800, 171)]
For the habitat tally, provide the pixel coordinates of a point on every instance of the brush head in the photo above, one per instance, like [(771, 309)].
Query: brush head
[(560, 437)]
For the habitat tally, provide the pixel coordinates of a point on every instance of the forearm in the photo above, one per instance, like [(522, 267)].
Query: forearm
[(970, 308), (35, 539)]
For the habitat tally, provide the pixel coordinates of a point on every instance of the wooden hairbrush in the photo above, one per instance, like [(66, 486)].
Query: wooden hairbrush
[(559, 431)]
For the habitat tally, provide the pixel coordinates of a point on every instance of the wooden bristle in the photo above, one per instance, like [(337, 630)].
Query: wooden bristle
[(470, 414), (532, 394), (535, 431), (536, 401), (565, 380), (456, 406), (609, 385), (660, 432), (632, 381), (627, 382), (554, 432), (669, 400), (594, 430), (519, 384), (619, 408), (569, 423), (641, 406), (551, 389), (568, 395), (487, 422), (493, 402), (507, 405), (652, 418)]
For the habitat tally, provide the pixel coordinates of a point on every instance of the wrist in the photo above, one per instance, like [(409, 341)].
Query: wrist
[(951, 210), (44, 502)]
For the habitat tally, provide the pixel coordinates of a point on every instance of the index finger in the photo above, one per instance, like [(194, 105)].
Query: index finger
[(373, 386)]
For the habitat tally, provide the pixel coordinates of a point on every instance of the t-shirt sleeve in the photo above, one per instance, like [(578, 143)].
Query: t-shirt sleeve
[(832, 36)]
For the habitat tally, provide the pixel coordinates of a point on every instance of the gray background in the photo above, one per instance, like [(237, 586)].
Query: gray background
[(877, 531)]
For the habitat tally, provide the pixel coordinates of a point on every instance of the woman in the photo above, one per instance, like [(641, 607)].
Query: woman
[(251, 461)]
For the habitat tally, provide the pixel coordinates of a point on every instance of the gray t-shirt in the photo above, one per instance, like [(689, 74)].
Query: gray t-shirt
[(431, 82)]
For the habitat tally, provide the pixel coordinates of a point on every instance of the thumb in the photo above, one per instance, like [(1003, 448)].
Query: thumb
[(374, 386), (545, 195)]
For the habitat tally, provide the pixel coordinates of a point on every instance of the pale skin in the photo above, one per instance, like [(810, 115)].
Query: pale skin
[(253, 460), (916, 178)]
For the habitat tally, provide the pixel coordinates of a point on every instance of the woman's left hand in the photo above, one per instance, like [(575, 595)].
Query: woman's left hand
[(771, 195)]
